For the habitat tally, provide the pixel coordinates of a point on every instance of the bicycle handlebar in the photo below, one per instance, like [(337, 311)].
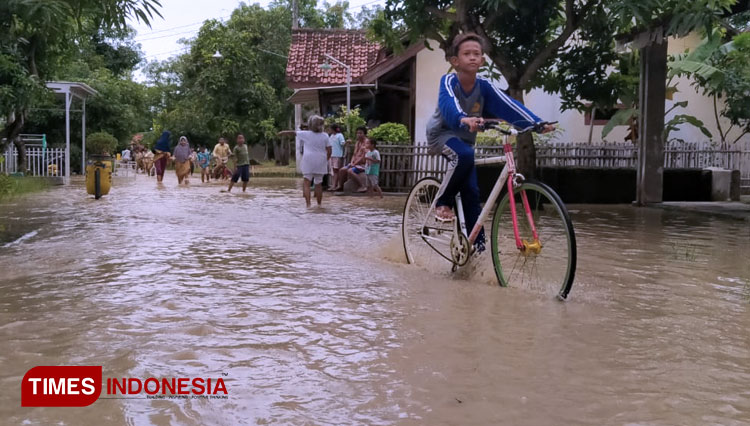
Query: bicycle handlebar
[(538, 127)]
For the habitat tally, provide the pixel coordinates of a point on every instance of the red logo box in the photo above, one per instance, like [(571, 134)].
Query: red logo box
[(61, 386)]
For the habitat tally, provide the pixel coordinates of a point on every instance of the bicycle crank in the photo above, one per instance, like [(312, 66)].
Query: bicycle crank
[(460, 249)]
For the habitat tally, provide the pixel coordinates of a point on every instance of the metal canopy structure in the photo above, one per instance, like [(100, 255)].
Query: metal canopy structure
[(70, 90), (311, 95)]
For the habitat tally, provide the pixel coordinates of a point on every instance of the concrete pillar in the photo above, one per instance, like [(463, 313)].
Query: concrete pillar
[(297, 124), (652, 93), (721, 183), (83, 137), (68, 100)]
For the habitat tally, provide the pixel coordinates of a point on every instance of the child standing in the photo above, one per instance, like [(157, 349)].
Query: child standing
[(372, 168), (463, 102), (242, 160), (204, 161), (337, 154)]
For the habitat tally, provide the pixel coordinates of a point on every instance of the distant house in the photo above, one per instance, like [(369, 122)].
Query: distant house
[(384, 85), (404, 87)]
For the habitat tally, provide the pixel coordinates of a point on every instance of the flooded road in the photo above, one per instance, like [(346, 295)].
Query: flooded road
[(311, 317)]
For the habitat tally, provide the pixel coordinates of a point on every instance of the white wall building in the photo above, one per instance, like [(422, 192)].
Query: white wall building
[(431, 65)]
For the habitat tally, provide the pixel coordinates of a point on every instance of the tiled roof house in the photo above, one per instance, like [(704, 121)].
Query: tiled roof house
[(383, 84), (306, 55)]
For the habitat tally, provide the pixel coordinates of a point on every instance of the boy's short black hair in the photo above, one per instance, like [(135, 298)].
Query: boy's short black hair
[(464, 37), (363, 129), (374, 142)]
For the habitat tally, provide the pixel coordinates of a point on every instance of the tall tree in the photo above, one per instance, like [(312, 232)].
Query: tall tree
[(35, 35), (523, 37), (532, 41), (243, 91), (722, 71)]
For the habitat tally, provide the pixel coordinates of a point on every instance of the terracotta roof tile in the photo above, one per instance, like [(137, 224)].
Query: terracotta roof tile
[(306, 54)]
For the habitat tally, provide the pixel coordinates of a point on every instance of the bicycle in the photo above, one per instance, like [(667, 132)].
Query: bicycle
[(541, 249)]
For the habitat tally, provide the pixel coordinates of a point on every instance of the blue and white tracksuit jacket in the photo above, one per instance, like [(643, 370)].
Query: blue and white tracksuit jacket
[(446, 137)]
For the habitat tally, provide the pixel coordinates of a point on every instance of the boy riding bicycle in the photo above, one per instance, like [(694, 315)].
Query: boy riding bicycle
[(451, 132)]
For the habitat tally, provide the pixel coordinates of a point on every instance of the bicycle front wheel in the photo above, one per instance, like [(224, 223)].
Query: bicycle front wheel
[(546, 263), (425, 239)]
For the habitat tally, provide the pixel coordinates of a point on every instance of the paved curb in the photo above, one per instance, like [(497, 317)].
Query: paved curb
[(729, 209)]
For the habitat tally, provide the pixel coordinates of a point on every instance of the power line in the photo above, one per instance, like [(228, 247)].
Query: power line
[(193, 31), (168, 35), (149, 34), (365, 4), (180, 26), (181, 50)]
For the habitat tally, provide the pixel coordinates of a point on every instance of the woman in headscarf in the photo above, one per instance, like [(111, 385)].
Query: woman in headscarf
[(162, 154), (182, 160)]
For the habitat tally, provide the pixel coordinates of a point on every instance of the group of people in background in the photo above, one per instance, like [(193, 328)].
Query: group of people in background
[(211, 163), (323, 152)]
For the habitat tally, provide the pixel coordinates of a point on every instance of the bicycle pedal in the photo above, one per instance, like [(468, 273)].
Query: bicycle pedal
[(444, 220)]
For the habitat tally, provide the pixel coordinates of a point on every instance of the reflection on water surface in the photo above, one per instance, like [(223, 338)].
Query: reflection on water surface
[(314, 319)]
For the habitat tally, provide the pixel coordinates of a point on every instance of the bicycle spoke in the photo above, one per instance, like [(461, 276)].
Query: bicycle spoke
[(425, 240), (545, 269)]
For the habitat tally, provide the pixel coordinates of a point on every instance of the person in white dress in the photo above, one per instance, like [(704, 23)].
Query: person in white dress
[(315, 147)]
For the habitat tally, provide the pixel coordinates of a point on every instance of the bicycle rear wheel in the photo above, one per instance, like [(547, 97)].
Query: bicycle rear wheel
[(548, 267), (425, 239)]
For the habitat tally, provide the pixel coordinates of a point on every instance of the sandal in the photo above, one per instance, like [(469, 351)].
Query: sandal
[(444, 214)]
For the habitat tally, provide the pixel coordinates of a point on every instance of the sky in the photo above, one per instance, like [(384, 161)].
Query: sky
[(183, 19)]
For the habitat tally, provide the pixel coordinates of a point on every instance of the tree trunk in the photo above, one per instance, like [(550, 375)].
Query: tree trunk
[(281, 151), (278, 152), (21, 147), (652, 91), (525, 150), (12, 131)]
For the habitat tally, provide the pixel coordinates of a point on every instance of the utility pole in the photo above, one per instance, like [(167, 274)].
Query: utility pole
[(295, 15), (297, 107)]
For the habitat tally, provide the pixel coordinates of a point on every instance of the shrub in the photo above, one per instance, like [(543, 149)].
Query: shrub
[(392, 133), (101, 143), (349, 121), (495, 138)]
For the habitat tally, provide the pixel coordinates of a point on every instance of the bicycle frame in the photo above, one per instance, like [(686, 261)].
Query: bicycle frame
[(509, 170), (507, 178)]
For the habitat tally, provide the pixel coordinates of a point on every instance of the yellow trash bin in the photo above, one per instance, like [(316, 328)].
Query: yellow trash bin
[(98, 177)]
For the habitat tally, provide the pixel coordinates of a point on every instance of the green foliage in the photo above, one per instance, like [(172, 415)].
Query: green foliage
[(41, 40), (679, 119), (623, 117), (349, 121), (12, 186), (722, 70), (494, 138), (245, 91), (490, 138), (101, 143), (677, 17), (392, 133), (331, 15), (524, 38)]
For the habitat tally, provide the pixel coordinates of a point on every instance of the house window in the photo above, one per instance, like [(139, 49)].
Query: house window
[(601, 116)]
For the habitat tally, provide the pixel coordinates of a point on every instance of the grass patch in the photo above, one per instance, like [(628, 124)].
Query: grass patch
[(11, 186), (270, 169)]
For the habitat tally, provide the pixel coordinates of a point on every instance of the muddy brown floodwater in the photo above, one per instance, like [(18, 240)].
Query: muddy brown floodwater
[(311, 317)]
